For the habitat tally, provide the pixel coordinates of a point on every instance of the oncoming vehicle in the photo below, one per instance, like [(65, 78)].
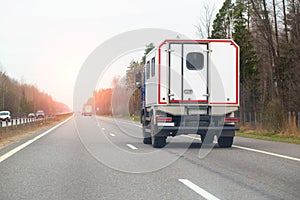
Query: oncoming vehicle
[(190, 87), (40, 114), (5, 116), (31, 115)]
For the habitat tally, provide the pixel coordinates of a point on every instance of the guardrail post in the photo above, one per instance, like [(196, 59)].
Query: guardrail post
[(255, 120), (250, 119)]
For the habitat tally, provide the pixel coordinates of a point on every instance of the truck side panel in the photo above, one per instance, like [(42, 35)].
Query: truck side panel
[(151, 77)]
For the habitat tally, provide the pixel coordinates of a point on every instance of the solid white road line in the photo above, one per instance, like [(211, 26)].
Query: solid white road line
[(22, 146), (268, 153), (131, 146), (256, 150), (103, 129), (111, 134), (128, 123), (198, 189), (125, 122)]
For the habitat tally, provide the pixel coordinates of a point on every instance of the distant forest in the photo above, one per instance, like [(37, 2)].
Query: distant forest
[(21, 98), (268, 33)]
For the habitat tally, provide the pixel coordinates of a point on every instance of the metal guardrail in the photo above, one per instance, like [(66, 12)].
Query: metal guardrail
[(22, 121)]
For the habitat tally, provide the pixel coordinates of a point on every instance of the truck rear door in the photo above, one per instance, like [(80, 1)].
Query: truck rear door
[(188, 73)]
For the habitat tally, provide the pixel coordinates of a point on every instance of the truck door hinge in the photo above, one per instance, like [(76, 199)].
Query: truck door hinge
[(169, 50)]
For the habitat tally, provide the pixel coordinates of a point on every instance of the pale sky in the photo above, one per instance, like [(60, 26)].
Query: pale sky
[(45, 42)]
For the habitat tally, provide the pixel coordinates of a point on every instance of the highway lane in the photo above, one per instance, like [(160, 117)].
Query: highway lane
[(244, 173), (103, 158)]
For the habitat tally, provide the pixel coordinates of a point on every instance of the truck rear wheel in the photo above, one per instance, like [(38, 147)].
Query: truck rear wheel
[(208, 138), (225, 142), (157, 141), (146, 136)]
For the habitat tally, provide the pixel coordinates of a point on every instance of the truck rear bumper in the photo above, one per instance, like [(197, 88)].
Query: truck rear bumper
[(226, 131)]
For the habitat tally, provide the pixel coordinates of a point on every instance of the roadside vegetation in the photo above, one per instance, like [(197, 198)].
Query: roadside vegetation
[(269, 135), (21, 98)]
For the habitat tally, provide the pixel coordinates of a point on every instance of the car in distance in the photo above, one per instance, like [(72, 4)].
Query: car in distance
[(40, 114), (31, 115), (5, 116)]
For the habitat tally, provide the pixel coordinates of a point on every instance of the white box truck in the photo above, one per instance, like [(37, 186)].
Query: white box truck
[(190, 87), (87, 110)]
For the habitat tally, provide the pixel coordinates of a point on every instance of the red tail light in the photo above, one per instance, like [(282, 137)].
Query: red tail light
[(231, 120), (164, 119)]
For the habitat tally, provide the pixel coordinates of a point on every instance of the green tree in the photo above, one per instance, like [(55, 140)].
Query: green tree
[(149, 47), (222, 25), (248, 58), (25, 105)]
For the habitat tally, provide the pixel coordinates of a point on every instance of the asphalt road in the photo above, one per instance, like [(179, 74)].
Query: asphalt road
[(103, 158)]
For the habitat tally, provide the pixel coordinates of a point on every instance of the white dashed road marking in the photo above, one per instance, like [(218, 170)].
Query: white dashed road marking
[(131, 146), (198, 189)]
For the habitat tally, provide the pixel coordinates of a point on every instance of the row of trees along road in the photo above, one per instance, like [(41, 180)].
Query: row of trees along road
[(21, 98), (268, 33), (123, 99)]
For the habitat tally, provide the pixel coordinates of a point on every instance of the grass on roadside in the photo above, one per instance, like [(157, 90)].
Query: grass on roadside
[(14, 134), (136, 119), (267, 135)]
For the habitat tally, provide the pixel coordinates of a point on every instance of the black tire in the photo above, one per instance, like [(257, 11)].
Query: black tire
[(146, 136), (157, 141), (225, 142), (208, 138)]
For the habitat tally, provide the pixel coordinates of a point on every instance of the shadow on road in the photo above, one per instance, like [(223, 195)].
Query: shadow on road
[(187, 145)]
